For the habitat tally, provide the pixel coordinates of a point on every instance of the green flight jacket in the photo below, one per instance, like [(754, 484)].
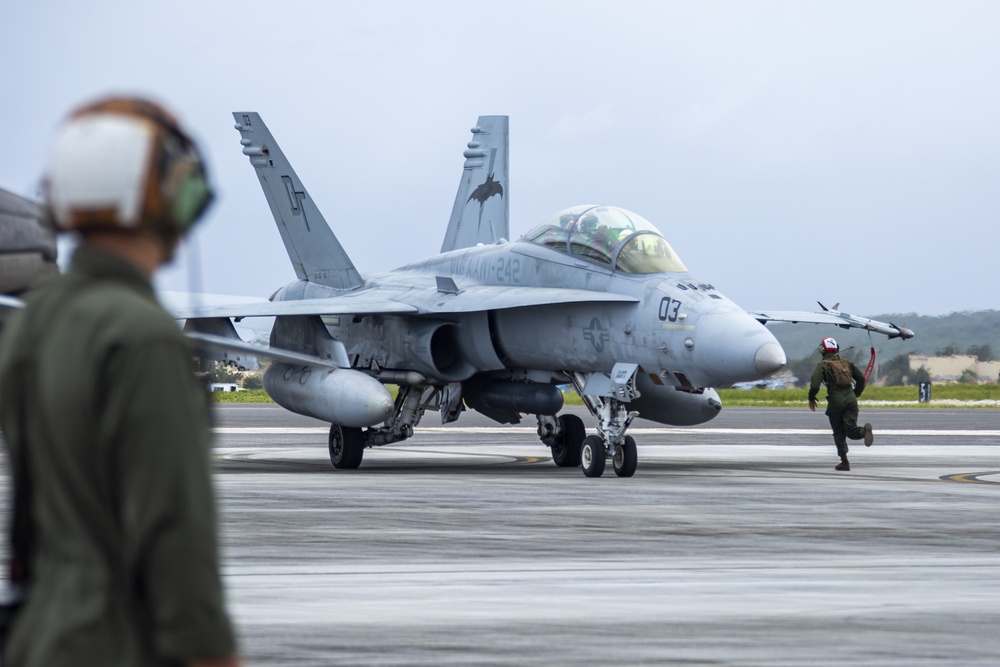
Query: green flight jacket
[(97, 390), (836, 397)]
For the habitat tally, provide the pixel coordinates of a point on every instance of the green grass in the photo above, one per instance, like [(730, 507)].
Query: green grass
[(248, 396), (942, 395)]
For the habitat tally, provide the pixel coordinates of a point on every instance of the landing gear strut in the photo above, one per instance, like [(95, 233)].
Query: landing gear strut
[(606, 398), (347, 445)]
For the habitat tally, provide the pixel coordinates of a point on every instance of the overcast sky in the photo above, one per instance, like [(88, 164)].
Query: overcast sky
[(789, 151)]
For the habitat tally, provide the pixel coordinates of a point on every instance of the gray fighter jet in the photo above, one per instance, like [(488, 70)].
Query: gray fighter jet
[(594, 297), (27, 245)]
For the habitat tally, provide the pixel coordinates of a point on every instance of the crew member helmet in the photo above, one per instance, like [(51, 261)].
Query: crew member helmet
[(828, 345), (125, 163)]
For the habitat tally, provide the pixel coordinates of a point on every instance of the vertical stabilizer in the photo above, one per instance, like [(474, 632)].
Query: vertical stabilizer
[(314, 251), (482, 210)]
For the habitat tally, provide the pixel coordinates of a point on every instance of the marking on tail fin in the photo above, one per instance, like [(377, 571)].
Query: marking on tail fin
[(295, 200), (486, 190)]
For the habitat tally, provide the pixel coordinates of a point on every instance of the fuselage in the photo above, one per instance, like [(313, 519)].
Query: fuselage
[(685, 336)]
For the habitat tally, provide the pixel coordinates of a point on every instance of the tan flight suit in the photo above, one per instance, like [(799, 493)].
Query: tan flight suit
[(124, 568)]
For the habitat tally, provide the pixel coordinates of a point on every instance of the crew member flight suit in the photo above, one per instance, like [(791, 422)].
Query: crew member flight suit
[(842, 403), (97, 392)]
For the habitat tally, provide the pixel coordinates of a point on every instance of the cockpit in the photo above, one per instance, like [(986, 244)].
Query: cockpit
[(608, 235)]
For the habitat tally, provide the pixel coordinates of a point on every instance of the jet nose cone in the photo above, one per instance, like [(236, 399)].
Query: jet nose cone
[(733, 347), (770, 358)]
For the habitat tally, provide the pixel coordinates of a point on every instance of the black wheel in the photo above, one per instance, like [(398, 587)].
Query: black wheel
[(566, 449), (593, 456), (347, 447), (626, 458)]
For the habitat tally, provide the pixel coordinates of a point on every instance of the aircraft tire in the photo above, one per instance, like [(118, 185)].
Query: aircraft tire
[(626, 458), (594, 455), (566, 451), (347, 447)]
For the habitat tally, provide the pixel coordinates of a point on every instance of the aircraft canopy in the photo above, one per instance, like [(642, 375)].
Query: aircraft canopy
[(608, 235)]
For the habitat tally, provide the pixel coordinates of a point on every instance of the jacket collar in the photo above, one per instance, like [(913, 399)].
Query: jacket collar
[(93, 263)]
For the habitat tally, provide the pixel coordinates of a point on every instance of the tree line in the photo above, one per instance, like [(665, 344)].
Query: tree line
[(896, 371)]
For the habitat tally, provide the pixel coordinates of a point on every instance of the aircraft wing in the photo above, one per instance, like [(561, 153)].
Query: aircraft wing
[(488, 297), (10, 302), (420, 302), (834, 317), (213, 342)]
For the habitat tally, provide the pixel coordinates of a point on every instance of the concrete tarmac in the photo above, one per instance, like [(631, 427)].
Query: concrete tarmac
[(736, 543)]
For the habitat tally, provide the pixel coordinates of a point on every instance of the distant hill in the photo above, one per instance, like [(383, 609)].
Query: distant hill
[(933, 333)]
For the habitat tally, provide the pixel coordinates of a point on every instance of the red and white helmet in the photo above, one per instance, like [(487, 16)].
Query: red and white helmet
[(828, 345)]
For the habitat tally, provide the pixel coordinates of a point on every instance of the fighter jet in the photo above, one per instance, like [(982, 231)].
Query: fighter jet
[(593, 297)]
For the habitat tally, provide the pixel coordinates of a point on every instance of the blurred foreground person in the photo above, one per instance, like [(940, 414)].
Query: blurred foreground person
[(114, 525), (844, 384)]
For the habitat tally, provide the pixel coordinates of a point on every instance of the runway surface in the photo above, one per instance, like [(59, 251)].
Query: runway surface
[(736, 543)]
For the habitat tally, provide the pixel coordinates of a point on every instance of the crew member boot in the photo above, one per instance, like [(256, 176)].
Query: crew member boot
[(869, 437), (843, 465)]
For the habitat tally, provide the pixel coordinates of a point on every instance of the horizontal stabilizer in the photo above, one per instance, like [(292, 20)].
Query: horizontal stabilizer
[(329, 306), (222, 328)]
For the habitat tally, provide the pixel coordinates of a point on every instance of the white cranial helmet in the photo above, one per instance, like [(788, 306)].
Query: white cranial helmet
[(125, 163)]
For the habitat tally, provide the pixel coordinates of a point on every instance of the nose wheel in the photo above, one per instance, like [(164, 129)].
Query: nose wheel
[(626, 458), (594, 456)]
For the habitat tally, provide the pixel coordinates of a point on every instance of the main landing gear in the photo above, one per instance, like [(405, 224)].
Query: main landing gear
[(347, 444), (565, 436)]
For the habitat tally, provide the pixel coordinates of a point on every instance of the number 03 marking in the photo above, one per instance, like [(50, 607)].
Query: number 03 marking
[(669, 309)]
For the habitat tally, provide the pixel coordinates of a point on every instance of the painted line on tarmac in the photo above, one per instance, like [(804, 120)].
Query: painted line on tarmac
[(313, 430), (973, 477)]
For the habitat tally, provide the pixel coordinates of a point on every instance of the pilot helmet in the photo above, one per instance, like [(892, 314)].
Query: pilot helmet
[(828, 345), (125, 163), (588, 223)]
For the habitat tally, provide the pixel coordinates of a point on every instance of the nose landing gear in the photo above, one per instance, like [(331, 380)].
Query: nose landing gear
[(606, 398)]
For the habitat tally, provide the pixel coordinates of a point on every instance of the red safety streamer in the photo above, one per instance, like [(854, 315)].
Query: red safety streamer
[(871, 365)]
